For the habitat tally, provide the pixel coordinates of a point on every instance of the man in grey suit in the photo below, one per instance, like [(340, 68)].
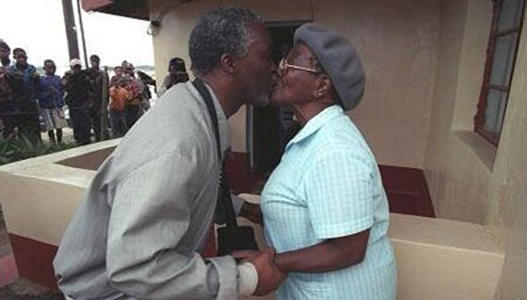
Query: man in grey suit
[(148, 210)]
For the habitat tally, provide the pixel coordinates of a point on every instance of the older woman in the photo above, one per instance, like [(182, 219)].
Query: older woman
[(324, 206)]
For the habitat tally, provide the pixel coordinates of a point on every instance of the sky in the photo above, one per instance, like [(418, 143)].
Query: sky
[(42, 34)]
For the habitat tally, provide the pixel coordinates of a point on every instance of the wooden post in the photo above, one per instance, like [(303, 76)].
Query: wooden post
[(71, 31), (82, 34)]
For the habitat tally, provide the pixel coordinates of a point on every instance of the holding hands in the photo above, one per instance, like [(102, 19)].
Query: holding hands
[(269, 276)]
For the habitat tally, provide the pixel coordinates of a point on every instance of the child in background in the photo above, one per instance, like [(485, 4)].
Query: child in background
[(119, 96)]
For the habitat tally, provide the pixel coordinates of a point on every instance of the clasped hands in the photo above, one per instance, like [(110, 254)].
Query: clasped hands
[(269, 275)]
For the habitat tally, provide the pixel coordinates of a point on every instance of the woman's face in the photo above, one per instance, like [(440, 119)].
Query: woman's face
[(294, 86)]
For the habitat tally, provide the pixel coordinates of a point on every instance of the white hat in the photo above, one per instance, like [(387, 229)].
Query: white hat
[(75, 62)]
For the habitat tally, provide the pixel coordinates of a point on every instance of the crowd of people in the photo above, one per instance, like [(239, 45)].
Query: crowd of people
[(99, 107)]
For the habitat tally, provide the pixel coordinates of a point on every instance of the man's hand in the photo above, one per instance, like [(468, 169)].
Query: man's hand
[(269, 276), (251, 212)]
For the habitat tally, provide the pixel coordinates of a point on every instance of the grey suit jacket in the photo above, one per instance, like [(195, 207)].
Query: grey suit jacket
[(148, 210)]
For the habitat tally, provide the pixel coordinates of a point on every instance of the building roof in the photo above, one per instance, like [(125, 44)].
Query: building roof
[(128, 8)]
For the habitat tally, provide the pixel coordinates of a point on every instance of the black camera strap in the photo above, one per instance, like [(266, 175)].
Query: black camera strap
[(224, 194)]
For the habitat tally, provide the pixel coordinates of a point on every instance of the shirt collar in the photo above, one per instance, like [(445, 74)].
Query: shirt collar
[(316, 123)]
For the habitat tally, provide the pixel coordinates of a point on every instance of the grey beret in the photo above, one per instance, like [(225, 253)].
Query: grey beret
[(340, 60)]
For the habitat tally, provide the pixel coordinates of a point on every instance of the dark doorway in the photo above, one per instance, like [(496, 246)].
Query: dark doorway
[(273, 127)]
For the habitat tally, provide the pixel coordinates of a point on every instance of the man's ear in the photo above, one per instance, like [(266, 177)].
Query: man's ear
[(228, 63)]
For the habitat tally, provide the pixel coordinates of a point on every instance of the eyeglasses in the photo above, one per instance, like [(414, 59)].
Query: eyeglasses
[(283, 66)]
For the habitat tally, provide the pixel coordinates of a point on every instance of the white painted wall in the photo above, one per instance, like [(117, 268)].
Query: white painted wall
[(397, 41)]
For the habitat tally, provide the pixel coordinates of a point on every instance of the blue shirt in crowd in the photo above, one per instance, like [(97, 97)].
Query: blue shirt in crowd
[(25, 83), (51, 92)]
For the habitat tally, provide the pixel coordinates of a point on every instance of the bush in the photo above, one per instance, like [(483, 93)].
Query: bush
[(12, 149)]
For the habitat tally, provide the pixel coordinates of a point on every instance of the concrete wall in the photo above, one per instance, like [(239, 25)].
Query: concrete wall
[(451, 166), (458, 162), (469, 179), (397, 41), (39, 196), (511, 166)]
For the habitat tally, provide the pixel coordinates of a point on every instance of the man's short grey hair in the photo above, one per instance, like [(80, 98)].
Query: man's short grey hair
[(220, 31)]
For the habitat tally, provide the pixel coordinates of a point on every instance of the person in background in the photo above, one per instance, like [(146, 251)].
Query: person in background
[(7, 106), (147, 82), (5, 51), (77, 87), (177, 72), (99, 91), (119, 97), (135, 87), (118, 70), (25, 84), (51, 102), (105, 114)]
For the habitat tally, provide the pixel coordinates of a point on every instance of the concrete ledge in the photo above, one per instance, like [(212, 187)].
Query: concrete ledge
[(440, 259), (89, 161), (40, 195), (437, 258), (444, 259)]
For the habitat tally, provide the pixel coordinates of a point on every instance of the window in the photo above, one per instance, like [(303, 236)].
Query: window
[(501, 55)]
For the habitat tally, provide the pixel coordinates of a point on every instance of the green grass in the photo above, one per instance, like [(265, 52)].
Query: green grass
[(12, 149)]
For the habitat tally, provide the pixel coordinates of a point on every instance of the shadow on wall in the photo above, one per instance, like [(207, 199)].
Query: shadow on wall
[(89, 161)]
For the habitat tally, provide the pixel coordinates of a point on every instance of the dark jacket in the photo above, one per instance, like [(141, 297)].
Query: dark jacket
[(77, 88)]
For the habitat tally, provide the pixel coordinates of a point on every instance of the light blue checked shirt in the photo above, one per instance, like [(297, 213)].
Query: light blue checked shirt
[(327, 186)]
